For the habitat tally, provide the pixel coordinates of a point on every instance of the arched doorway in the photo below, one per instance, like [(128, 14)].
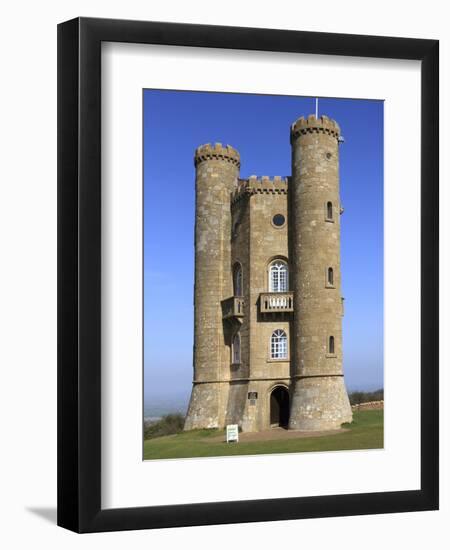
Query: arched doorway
[(279, 407)]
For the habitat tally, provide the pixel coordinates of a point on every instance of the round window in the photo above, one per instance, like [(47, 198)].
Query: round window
[(278, 220)]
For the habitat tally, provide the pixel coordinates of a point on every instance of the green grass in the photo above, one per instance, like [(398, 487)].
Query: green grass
[(365, 432)]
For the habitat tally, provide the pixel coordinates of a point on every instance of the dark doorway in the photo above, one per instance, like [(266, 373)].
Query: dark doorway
[(279, 407)]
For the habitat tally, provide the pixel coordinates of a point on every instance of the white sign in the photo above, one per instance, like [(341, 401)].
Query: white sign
[(232, 433)]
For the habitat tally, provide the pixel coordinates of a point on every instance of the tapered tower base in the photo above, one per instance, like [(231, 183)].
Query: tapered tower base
[(203, 410), (320, 403)]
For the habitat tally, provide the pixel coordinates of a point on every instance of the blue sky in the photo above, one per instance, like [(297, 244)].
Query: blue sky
[(175, 123)]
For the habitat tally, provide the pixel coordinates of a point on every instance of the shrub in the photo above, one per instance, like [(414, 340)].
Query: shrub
[(168, 424)]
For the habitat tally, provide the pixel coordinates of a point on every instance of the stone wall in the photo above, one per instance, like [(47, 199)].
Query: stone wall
[(370, 405)]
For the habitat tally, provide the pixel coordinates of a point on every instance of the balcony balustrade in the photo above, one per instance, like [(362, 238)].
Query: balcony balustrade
[(233, 308), (276, 302)]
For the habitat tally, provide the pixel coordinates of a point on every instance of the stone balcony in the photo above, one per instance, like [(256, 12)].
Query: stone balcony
[(233, 308), (276, 302)]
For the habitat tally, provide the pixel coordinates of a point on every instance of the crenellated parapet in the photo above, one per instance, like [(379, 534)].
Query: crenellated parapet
[(264, 184), (217, 151), (313, 125)]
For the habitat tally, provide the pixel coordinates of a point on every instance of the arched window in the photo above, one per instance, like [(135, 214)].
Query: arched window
[(329, 210), (237, 279), (278, 276), (236, 349), (278, 345), (330, 277), (331, 344)]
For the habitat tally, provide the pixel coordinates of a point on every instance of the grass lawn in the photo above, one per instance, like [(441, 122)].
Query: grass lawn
[(365, 432)]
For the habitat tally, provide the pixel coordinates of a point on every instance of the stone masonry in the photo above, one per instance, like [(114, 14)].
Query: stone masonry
[(267, 298)]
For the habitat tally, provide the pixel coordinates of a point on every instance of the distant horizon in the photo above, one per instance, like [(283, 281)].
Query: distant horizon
[(175, 124), (163, 397)]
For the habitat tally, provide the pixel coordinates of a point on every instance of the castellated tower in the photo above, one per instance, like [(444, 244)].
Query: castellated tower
[(217, 170), (267, 298), (320, 400)]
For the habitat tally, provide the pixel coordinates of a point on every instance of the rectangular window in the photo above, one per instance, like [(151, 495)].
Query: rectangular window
[(278, 345), (278, 277), (236, 349)]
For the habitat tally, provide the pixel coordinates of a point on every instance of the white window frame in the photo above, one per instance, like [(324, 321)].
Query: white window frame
[(278, 276), (279, 345)]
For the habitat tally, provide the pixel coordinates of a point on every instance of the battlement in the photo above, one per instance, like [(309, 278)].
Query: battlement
[(217, 151), (263, 184), (312, 125)]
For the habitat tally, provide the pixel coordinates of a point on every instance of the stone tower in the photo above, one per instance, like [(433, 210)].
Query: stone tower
[(217, 170), (320, 400), (267, 298)]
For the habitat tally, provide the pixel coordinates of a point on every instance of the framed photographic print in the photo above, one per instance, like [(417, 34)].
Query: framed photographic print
[(248, 275)]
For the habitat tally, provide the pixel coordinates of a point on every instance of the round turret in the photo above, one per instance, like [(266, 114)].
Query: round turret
[(217, 173), (320, 400)]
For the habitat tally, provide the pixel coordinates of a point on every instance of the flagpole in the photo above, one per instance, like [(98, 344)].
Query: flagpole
[(317, 107)]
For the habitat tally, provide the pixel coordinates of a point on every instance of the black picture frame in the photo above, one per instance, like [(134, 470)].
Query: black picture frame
[(79, 274)]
